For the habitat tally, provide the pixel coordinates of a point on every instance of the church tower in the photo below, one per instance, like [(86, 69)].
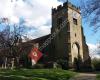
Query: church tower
[(70, 42)]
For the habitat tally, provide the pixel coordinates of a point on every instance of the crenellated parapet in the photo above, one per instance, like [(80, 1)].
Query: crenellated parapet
[(65, 5)]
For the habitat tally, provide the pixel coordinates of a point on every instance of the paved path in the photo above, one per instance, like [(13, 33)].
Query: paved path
[(85, 76)]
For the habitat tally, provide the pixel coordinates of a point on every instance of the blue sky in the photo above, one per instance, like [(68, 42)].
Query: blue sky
[(37, 16)]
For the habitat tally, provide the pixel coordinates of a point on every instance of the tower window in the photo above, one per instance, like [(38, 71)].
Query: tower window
[(75, 21), (75, 34)]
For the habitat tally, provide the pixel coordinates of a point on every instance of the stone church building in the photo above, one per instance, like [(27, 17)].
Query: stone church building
[(70, 42)]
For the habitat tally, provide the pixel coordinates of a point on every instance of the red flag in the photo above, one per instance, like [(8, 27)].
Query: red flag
[(35, 55)]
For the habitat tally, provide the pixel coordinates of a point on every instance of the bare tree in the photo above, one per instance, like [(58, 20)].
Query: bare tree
[(91, 10), (10, 40)]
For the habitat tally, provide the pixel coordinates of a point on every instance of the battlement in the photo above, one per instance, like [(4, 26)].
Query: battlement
[(65, 5)]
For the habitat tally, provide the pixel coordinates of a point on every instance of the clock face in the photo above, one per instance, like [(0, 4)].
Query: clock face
[(75, 15)]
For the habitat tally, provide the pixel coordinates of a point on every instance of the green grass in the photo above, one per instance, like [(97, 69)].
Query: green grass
[(98, 77), (36, 74)]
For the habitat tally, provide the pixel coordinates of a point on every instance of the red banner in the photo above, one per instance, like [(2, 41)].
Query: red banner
[(35, 55)]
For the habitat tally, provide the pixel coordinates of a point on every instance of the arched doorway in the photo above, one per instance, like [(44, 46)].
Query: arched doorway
[(76, 51)]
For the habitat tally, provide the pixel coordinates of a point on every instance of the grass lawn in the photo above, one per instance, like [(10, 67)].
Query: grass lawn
[(98, 77), (36, 74)]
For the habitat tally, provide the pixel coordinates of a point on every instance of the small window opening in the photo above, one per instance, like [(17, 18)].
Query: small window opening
[(75, 21)]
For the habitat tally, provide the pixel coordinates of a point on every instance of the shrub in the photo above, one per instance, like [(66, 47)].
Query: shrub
[(48, 64), (78, 63), (63, 63), (96, 64), (38, 66), (87, 66)]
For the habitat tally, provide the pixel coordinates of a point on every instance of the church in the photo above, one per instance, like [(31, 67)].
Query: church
[(65, 45), (69, 43)]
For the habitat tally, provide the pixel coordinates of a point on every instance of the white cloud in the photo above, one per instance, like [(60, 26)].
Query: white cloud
[(35, 12), (92, 46), (93, 50), (43, 30)]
